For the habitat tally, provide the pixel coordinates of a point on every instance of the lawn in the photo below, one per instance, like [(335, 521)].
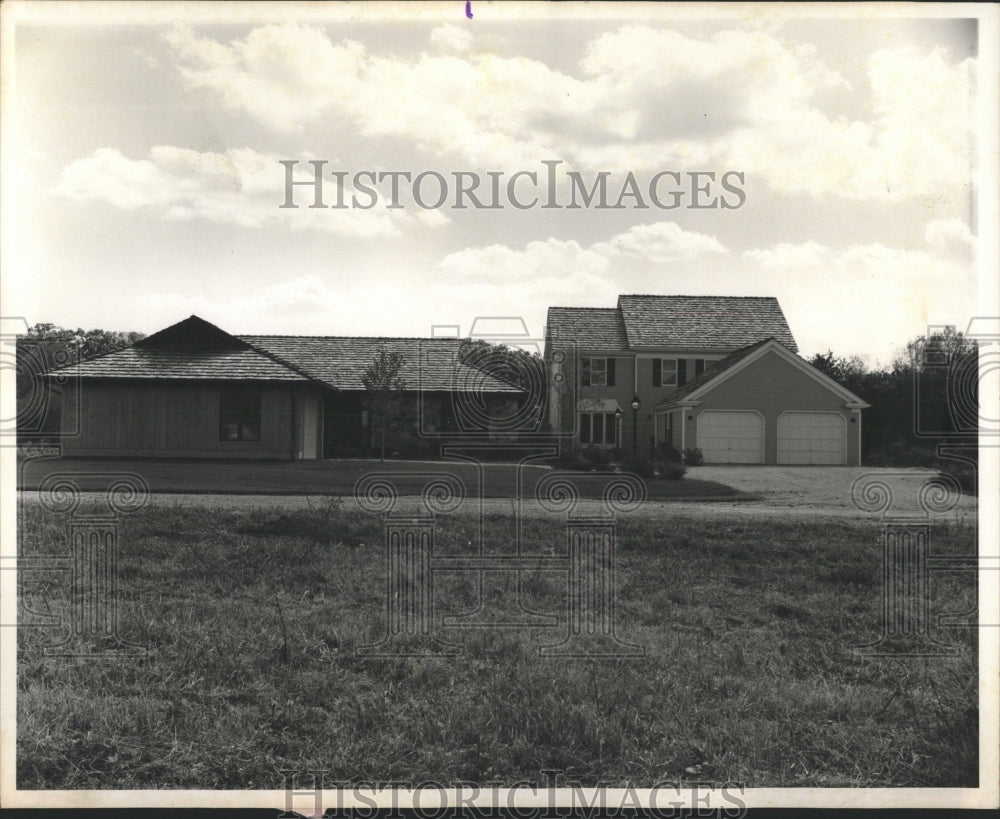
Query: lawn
[(250, 620), (338, 477)]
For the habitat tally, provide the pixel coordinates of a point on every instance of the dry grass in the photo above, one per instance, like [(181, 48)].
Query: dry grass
[(250, 619)]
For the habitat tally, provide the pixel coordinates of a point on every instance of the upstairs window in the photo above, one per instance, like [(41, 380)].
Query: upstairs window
[(239, 414), (675, 372), (668, 372), (597, 372)]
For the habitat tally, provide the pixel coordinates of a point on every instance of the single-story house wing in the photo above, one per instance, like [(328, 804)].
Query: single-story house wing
[(194, 390)]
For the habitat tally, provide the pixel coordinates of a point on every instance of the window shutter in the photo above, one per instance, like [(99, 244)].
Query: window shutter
[(699, 366), (585, 372), (681, 371), (657, 372), (611, 372)]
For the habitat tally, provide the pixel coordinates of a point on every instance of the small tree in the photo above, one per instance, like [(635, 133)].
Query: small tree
[(47, 346), (385, 389)]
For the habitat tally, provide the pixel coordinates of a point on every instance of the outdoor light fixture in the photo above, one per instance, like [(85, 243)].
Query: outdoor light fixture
[(636, 403)]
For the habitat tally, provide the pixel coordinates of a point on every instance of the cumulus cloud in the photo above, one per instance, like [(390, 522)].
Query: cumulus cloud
[(647, 244), (239, 186), (871, 298), (950, 236), (660, 242), (642, 98), (866, 298), (449, 37)]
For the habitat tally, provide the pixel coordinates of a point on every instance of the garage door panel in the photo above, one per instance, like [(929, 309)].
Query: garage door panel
[(812, 438), (731, 437)]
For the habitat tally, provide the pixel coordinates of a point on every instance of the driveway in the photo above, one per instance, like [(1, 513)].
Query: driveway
[(827, 489), (342, 476), (792, 492)]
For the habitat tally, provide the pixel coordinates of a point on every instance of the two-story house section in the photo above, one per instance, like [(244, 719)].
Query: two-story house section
[(716, 373)]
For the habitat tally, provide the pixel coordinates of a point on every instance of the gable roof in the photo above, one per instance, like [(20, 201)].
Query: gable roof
[(206, 365), (718, 368), (341, 361), (196, 350), (743, 357), (192, 333), (702, 322), (591, 327), (192, 349)]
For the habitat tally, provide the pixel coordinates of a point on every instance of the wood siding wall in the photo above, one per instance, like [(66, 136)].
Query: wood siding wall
[(628, 382), (182, 420), (772, 385)]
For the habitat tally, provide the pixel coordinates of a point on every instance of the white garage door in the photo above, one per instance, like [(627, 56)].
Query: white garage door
[(812, 438), (731, 437)]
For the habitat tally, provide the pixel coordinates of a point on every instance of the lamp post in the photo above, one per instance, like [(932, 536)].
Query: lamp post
[(618, 428), (636, 403)]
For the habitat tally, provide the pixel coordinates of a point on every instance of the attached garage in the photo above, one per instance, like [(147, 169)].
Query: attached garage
[(812, 438), (763, 404), (731, 436)]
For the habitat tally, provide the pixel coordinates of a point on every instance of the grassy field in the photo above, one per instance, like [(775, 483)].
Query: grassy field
[(250, 620), (338, 477)]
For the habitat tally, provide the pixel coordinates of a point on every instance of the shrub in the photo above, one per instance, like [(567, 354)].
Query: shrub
[(902, 452), (905, 453), (693, 457), (666, 452), (671, 471), (639, 463), (637, 458), (569, 457), (405, 444), (596, 456)]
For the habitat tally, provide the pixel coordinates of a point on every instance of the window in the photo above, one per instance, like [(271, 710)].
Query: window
[(239, 414), (673, 372), (598, 428), (597, 372), (665, 372)]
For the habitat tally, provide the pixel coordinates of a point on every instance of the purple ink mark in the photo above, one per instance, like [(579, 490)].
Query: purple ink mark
[(468, 9)]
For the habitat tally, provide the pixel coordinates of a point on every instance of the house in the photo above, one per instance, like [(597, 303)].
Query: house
[(194, 390), (716, 373)]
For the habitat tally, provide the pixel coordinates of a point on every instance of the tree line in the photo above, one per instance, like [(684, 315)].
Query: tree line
[(926, 395)]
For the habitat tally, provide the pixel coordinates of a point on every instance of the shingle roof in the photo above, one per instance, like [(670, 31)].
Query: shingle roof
[(194, 349), (226, 365), (341, 361), (592, 327), (702, 322), (717, 369)]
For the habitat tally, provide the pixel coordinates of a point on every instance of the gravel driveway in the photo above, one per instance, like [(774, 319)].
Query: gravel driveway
[(800, 492)]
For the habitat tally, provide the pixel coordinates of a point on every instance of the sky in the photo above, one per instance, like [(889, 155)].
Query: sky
[(147, 180)]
